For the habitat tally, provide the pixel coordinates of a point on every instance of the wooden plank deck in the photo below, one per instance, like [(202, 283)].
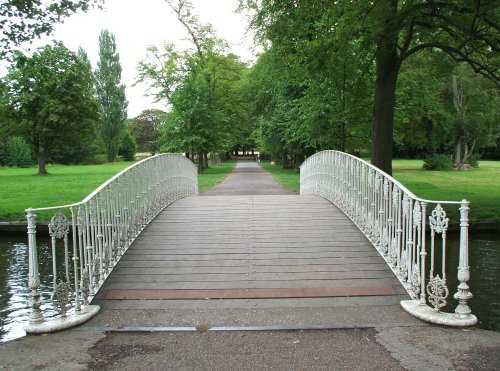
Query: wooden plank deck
[(249, 247)]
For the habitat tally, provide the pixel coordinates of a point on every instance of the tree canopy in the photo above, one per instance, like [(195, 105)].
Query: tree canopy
[(110, 95), (387, 32), (23, 21), (49, 101)]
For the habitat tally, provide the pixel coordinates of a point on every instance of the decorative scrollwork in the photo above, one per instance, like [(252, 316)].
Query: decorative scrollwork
[(394, 251), (438, 221), (61, 297), (93, 211), (395, 196), (85, 288), (406, 204), (59, 225), (384, 241), (386, 188), (417, 214), (80, 221), (438, 292), (403, 265), (415, 280)]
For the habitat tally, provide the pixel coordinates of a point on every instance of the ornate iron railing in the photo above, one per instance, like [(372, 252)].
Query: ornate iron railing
[(395, 221), (96, 232)]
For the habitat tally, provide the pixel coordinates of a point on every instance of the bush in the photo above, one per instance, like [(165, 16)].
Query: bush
[(473, 160), (16, 152), (128, 147), (438, 162)]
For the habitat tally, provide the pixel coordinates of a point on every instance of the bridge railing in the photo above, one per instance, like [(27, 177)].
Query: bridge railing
[(89, 237), (409, 232)]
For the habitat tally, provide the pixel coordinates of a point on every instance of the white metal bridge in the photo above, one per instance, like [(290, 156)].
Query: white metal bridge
[(354, 232)]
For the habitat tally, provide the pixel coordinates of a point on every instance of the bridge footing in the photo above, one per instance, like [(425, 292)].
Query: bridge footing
[(428, 314), (63, 323)]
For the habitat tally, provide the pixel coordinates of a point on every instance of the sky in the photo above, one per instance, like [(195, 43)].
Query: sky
[(138, 24)]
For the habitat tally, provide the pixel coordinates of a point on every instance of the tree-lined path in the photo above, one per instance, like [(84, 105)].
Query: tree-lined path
[(250, 253)]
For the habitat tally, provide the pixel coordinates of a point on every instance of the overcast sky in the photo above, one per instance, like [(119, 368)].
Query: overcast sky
[(138, 24)]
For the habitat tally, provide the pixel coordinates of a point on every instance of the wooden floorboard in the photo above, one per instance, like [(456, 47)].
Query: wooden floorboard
[(284, 245)]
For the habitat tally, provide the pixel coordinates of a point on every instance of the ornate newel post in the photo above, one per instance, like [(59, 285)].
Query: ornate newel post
[(463, 294), (33, 276)]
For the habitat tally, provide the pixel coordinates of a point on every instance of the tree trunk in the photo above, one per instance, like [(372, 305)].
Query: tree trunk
[(205, 160), (387, 69), (41, 160)]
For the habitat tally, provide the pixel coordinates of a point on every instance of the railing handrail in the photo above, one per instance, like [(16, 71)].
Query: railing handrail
[(102, 186), (391, 178), (98, 231), (395, 221)]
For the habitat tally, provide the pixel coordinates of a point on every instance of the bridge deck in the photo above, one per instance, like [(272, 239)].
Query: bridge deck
[(224, 260)]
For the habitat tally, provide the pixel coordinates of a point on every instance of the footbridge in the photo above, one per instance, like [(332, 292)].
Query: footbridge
[(354, 249)]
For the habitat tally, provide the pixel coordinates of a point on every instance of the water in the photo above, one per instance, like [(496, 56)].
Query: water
[(14, 293)]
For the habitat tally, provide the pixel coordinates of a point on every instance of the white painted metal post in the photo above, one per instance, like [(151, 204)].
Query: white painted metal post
[(33, 275)]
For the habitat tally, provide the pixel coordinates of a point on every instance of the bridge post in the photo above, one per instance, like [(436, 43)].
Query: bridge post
[(463, 295), (36, 316)]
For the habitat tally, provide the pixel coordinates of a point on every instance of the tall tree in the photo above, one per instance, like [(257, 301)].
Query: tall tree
[(392, 31), (199, 84), (110, 95), (23, 21), (50, 101)]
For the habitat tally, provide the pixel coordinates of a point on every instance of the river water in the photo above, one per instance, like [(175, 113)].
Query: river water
[(14, 310)]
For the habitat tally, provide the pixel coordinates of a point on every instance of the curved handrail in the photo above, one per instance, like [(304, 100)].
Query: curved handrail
[(394, 220), (102, 227), (102, 186), (394, 180)]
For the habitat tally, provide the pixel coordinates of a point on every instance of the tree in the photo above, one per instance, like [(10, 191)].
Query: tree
[(110, 94), (475, 102), (50, 101), (391, 32), (23, 21), (199, 84), (145, 129)]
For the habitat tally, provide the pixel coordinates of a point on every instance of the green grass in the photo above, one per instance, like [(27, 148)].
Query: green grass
[(214, 175), (21, 188), (481, 186), (289, 178)]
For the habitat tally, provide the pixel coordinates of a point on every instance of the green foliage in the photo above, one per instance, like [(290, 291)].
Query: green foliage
[(15, 152), (202, 87), (49, 100), (24, 21), (145, 129), (128, 147), (346, 37), (473, 160), (110, 94), (438, 162)]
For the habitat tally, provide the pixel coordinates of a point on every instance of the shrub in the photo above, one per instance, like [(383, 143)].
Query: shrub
[(16, 152), (473, 160), (128, 147), (438, 162)]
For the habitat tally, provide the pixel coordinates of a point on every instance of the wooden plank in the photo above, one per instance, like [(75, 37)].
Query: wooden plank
[(273, 246), (249, 293)]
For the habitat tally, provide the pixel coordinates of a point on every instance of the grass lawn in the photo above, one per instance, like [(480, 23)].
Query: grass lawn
[(214, 175), (480, 186), (21, 188)]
